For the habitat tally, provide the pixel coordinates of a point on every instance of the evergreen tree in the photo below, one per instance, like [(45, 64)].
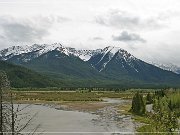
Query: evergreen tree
[(138, 105), (149, 99), (164, 116)]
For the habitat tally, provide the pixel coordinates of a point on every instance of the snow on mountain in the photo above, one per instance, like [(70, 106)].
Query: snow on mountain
[(110, 52), (44, 48), (168, 67), (113, 50), (104, 56), (85, 55), (17, 50)]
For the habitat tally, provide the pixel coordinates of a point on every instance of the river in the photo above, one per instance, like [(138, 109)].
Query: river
[(105, 121)]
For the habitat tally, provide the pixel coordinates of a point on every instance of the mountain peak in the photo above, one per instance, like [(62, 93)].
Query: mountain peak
[(113, 48), (109, 54), (122, 53)]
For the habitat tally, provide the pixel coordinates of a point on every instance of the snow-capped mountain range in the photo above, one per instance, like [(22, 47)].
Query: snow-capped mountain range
[(85, 55), (44, 48), (168, 67)]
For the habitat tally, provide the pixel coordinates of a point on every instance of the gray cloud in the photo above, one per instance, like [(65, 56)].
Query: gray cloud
[(2, 37), (128, 37), (98, 38), (24, 30), (122, 19), (61, 19)]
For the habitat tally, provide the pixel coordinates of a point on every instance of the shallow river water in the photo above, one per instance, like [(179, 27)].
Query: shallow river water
[(105, 121)]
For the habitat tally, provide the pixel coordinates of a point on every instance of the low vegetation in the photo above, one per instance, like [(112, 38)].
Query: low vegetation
[(165, 112), (69, 95)]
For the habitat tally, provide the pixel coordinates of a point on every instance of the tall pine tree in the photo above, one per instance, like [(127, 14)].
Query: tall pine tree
[(138, 104)]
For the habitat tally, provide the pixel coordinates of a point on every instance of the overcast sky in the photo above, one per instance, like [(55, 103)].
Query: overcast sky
[(149, 29)]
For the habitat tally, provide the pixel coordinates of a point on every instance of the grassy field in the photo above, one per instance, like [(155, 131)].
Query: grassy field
[(79, 94), (124, 109), (68, 95), (75, 100)]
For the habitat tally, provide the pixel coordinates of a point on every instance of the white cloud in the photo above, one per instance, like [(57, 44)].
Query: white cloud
[(124, 20)]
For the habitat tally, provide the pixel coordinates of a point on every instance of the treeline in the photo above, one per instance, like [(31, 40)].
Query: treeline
[(21, 77), (89, 89)]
